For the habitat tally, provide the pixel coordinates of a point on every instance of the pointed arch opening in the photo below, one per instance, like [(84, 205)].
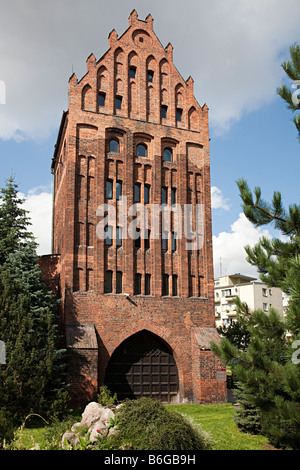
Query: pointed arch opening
[(143, 366)]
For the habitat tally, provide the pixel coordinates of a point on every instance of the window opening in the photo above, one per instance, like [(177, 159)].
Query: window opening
[(118, 102), (108, 282), (101, 99), (119, 282), (141, 150), (174, 285), (165, 290), (118, 190), (137, 193), (167, 155), (178, 114), (132, 71), (137, 284), (150, 75), (114, 145), (109, 189), (147, 284), (163, 111)]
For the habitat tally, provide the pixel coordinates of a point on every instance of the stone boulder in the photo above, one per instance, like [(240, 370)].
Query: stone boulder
[(91, 414), (96, 419), (71, 438)]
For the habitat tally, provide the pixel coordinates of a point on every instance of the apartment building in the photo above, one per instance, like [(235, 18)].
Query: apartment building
[(256, 294)]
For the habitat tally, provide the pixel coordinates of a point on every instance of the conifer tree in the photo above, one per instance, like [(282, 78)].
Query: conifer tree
[(237, 332), (14, 220), (269, 375), (32, 378), (292, 69)]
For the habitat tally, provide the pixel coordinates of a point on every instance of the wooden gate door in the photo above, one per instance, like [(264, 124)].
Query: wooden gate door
[(143, 366)]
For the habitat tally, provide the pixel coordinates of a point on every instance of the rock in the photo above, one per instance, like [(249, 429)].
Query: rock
[(107, 415), (96, 419), (91, 414), (71, 438), (98, 430)]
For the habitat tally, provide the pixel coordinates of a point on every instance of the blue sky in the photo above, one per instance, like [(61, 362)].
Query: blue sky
[(233, 51)]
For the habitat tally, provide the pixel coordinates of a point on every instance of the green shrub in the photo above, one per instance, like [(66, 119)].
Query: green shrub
[(105, 397), (6, 427), (146, 424), (248, 417)]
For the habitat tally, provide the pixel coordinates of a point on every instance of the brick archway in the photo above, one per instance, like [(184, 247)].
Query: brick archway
[(143, 366)]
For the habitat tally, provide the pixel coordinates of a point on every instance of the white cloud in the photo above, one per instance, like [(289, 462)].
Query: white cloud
[(38, 202), (232, 49), (228, 248), (217, 199)]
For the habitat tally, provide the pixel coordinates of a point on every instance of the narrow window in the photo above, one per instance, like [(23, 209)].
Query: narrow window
[(146, 193), (137, 241), (174, 285), (173, 196), (119, 237), (178, 114), (118, 190), (173, 242), (147, 239), (150, 75), (168, 155), (164, 195), (147, 284), (132, 71), (109, 189), (137, 284), (164, 241), (109, 234), (163, 111), (101, 99), (118, 102), (119, 282), (141, 150), (137, 192), (165, 286), (108, 282), (113, 145)]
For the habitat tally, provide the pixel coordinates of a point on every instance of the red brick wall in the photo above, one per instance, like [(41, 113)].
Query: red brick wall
[(82, 163)]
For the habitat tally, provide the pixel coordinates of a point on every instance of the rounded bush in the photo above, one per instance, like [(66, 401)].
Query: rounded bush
[(146, 424)]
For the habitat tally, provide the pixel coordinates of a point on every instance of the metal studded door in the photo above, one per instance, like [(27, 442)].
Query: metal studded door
[(143, 366)]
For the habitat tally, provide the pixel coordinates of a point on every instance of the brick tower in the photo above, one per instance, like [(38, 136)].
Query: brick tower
[(138, 309)]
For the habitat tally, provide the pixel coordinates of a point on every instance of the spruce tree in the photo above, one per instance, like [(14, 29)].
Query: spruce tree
[(14, 220), (32, 379)]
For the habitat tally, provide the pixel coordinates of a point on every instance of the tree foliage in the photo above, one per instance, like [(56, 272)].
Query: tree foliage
[(292, 69), (14, 221), (268, 376), (32, 378)]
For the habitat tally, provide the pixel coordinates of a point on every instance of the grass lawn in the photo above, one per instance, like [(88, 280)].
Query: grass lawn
[(215, 419), (218, 421)]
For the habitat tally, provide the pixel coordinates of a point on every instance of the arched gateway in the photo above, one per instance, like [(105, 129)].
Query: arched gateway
[(143, 366)]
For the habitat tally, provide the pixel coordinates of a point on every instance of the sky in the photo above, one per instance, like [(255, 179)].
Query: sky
[(233, 50)]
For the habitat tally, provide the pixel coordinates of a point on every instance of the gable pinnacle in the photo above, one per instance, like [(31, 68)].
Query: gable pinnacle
[(133, 18)]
